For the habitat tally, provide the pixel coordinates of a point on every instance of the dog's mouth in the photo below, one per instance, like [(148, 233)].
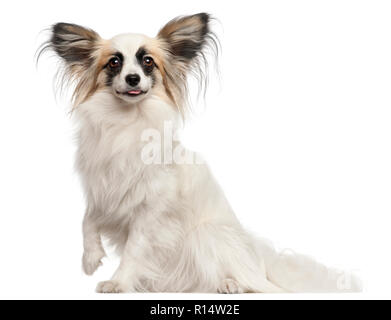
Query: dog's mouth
[(132, 93)]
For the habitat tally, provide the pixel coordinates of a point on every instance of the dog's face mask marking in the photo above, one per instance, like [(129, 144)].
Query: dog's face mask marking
[(134, 66), (131, 71)]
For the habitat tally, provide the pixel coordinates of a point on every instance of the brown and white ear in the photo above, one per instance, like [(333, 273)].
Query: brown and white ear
[(186, 42), (186, 36), (73, 43), (79, 48)]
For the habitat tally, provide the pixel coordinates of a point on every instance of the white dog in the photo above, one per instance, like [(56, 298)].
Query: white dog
[(169, 220)]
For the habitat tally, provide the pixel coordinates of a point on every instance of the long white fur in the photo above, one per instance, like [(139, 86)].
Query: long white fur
[(171, 223)]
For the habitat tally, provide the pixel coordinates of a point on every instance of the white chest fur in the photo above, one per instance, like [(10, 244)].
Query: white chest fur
[(117, 182)]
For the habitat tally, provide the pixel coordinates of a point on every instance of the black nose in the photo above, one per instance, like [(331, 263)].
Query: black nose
[(132, 79)]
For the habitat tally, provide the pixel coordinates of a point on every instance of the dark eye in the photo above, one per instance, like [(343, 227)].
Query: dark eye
[(148, 61), (114, 63)]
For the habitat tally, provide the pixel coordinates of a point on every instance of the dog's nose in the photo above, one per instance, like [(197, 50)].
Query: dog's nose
[(132, 79)]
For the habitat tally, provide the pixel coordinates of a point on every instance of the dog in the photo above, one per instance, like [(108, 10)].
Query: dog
[(164, 212)]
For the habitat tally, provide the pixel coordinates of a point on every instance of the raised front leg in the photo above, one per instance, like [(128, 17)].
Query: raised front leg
[(93, 249)]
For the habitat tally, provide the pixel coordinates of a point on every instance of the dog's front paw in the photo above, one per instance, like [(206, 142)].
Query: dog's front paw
[(110, 286), (229, 286), (91, 261)]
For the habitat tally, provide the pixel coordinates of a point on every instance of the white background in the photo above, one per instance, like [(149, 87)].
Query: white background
[(297, 132)]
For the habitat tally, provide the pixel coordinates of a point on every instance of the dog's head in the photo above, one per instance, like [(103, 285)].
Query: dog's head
[(134, 66)]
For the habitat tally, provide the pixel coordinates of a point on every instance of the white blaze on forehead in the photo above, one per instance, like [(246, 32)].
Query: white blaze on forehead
[(128, 44)]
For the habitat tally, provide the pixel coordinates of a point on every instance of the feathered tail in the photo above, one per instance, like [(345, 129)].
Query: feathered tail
[(295, 272)]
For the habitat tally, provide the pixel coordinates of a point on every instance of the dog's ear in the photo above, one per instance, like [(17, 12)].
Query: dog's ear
[(80, 50), (186, 36), (73, 43)]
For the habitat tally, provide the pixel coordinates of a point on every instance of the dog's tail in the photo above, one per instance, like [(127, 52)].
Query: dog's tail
[(295, 272)]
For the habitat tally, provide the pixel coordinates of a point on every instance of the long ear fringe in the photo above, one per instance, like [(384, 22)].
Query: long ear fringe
[(197, 68), (70, 75), (200, 69), (63, 79)]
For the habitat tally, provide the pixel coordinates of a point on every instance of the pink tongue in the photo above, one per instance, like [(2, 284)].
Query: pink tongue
[(134, 91)]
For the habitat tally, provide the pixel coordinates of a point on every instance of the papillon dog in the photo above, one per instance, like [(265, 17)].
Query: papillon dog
[(168, 220)]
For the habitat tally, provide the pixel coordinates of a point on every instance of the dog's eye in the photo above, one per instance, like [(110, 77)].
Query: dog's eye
[(114, 63), (148, 61)]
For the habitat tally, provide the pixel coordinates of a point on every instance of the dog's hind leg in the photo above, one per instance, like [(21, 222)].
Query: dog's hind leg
[(226, 260), (230, 286)]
